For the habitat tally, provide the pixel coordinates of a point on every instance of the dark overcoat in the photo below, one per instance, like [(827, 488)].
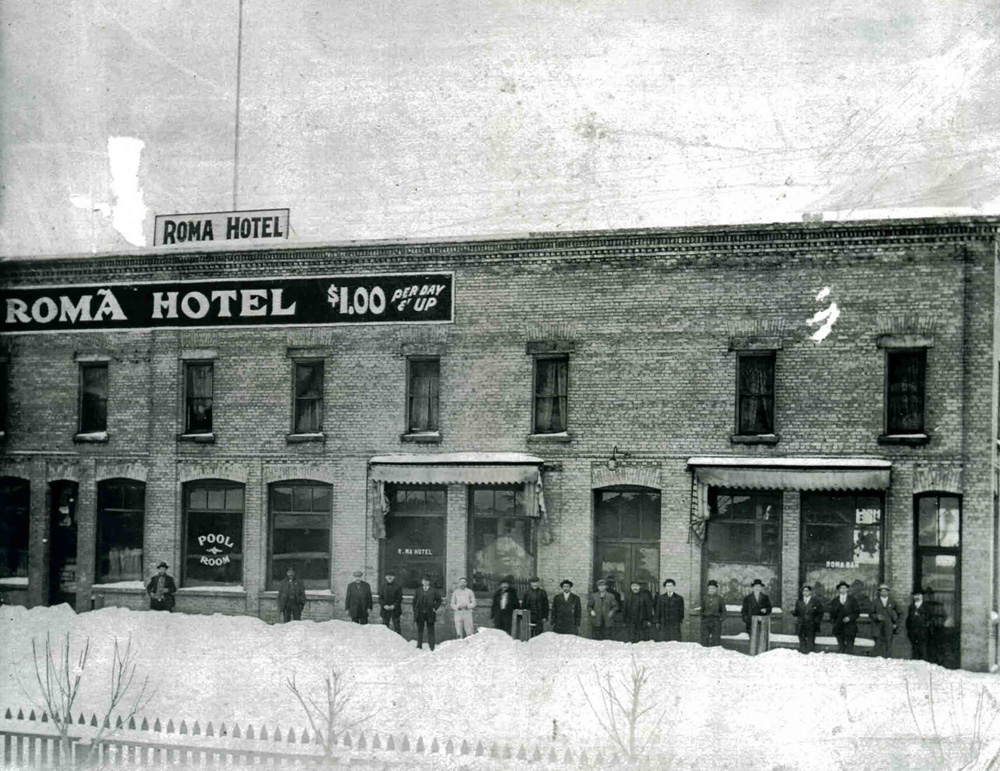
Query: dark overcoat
[(291, 594), (425, 604), (391, 594), (536, 601), (844, 615), (754, 606), (566, 613), (359, 599)]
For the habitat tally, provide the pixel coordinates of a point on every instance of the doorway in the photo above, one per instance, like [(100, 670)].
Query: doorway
[(62, 543), (627, 537), (938, 570)]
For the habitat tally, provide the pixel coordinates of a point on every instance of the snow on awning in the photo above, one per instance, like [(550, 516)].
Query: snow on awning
[(469, 468), (792, 473)]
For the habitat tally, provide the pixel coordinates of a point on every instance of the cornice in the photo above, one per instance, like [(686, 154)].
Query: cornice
[(692, 243)]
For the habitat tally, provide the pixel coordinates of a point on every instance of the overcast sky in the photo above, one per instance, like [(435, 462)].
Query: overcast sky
[(375, 119)]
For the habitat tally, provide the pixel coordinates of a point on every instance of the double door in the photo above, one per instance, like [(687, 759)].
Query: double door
[(628, 561)]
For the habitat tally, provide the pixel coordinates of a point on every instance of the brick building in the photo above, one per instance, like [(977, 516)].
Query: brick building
[(796, 403)]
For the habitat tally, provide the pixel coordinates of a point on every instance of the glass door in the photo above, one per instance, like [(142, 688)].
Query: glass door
[(938, 570), (62, 543)]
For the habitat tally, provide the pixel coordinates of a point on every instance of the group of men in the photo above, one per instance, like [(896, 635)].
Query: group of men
[(633, 617)]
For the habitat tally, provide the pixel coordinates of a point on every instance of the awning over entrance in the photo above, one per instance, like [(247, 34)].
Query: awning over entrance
[(467, 468), (792, 473)]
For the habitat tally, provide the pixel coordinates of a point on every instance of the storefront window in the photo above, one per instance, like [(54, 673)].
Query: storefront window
[(300, 533), (414, 535), (14, 519), (213, 542), (502, 539), (743, 542), (842, 541), (121, 509)]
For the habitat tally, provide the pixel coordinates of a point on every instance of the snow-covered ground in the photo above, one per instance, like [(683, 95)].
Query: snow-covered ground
[(717, 708)]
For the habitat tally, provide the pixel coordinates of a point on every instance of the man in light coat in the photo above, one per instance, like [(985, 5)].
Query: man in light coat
[(463, 601), (885, 621), (291, 597), (602, 607)]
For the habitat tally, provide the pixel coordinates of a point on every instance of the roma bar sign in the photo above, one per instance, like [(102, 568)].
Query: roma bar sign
[(220, 226), (246, 302)]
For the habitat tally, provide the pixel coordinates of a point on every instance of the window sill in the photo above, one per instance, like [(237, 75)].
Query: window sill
[(563, 436), (422, 437), (303, 438), (912, 440), (197, 438), (217, 591), (311, 594), (120, 588), (754, 439), (91, 437), (14, 582)]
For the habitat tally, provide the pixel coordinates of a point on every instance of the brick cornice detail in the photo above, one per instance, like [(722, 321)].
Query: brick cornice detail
[(937, 478), (643, 475)]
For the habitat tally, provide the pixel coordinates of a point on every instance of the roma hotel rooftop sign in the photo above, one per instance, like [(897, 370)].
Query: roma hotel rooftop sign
[(246, 302)]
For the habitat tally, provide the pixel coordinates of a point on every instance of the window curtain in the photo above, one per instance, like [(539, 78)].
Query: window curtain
[(378, 504), (550, 399), (755, 398), (423, 400), (905, 397)]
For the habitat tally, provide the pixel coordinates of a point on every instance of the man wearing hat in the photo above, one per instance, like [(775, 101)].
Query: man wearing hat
[(755, 604), (463, 601), (390, 600), (670, 612), (808, 614), (358, 601), (637, 611), (713, 610), (602, 607), (426, 601), (291, 597), (844, 613), (536, 600), (919, 622), (885, 621), (566, 610), (504, 604), (161, 589)]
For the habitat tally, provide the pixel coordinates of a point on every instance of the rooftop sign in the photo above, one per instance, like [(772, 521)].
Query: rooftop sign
[(416, 298), (211, 227)]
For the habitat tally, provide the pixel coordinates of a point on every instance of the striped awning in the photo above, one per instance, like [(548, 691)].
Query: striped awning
[(792, 473), (466, 468)]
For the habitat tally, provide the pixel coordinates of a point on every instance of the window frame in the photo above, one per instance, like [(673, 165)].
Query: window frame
[(530, 522), (102, 486), (889, 430), (271, 580), (409, 429), (535, 360), (24, 483), (211, 484), (188, 365), (304, 362), (768, 355), (92, 365), (391, 491)]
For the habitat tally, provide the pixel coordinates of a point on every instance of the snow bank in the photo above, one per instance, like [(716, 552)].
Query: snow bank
[(717, 707)]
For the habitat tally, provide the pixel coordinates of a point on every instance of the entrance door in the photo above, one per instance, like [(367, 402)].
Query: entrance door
[(627, 542), (938, 570), (62, 543)]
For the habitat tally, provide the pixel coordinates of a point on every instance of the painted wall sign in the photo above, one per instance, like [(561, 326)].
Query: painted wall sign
[(216, 544), (209, 227), (325, 300)]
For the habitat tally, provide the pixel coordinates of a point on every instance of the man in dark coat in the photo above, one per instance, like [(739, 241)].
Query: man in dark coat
[(713, 610), (935, 647), (504, 604), (291, 597), (566, 610), (426, 601), (536, 600), (637, 613), (670, 612), (808, 616), (602, 606), (919, 622), (359, 599), (844, 613), (390, 600), (885, 621), (161, 589), (755, 604)]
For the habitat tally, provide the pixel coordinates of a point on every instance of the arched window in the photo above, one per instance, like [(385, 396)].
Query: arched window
[(15, 507), (300, 524)]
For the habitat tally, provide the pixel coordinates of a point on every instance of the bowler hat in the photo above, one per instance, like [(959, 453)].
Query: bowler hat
[(807, 586), (714, 583), (162, 565), (844, 584), (564, 582), (507, 580), (757, 582)]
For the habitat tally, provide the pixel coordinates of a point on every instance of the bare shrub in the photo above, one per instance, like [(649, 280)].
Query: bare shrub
[(328, 714)]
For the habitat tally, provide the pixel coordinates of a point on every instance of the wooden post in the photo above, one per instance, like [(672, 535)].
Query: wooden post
[(760, 634), (521, 625)]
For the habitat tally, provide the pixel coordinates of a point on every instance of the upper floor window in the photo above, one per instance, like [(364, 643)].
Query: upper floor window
[(755, 394), (422, 395), (198, 392), (551, 389), (93, 397), (308, 397), (905, 387)]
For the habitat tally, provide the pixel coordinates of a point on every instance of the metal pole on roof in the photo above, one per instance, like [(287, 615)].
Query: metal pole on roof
[(236, 142)]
